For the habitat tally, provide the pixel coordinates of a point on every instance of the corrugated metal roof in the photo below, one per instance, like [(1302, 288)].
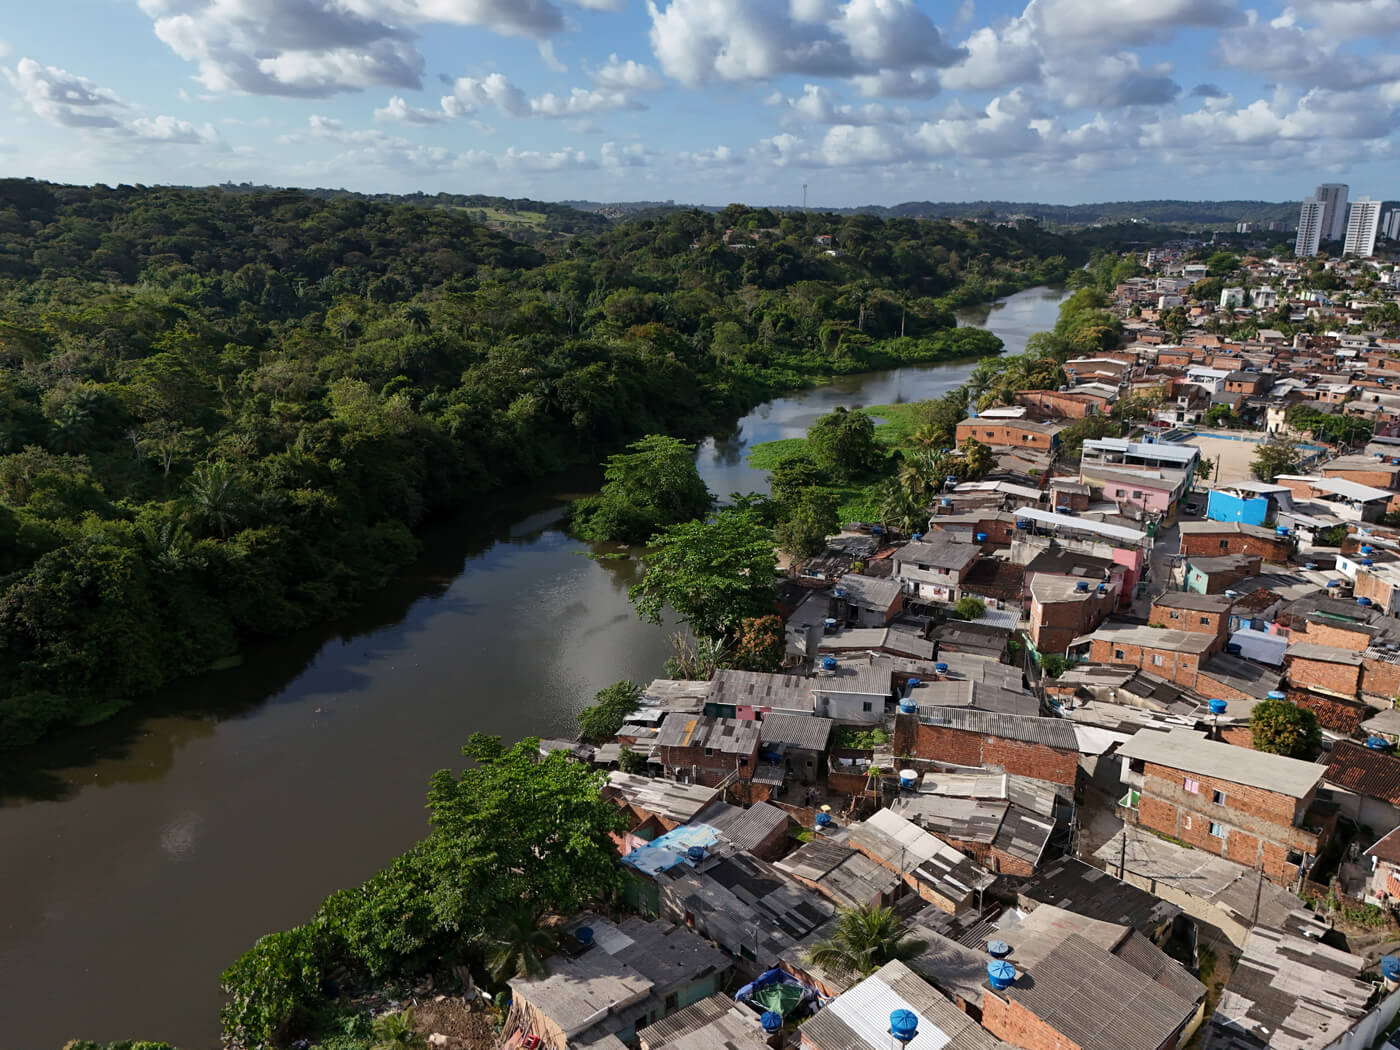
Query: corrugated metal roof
[(1098, 1001), (805, 732), (1323, 654), (1051, 732), (716, 1023), (759, 689), (679, 802), (1187, 750), (745, 828), (724, 735)]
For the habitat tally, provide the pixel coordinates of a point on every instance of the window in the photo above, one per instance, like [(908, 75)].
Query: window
[(1218, 830), (1157, 659), (1205, 621), (1176, 615), (709, 751), (865, 706), (743, 760), (1186, 821), (1191, 785), (991, 433), (1224, 544), (1118, 654), (672, 1002), (1218, 797), (1121, 492), (1137, 494)]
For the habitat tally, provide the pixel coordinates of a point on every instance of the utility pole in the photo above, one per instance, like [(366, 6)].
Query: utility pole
[(804, 196)]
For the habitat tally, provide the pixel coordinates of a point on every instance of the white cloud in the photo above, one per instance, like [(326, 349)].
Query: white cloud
[(172, 129), (397, 111), (64, 98), (315, 48), (470, 94), (997, 58), (818, 105), (1285, 50), (1097, 22), (699, 40), (617, 75), (1352, 19)]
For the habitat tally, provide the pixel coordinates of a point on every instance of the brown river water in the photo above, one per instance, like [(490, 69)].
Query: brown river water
[(139, 857)]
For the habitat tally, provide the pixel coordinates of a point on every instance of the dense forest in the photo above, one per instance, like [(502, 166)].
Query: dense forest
[(223, 414)]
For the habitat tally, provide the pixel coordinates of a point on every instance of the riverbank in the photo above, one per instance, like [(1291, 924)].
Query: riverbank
[(160, 845)]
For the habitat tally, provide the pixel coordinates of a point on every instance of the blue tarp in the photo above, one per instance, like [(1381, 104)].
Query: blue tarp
[(669, 849)]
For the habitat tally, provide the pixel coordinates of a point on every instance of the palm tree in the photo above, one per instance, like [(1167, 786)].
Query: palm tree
[(902, 510), (395, 1032), (216, 498), (518, 945), (416, 318), (864, 939)]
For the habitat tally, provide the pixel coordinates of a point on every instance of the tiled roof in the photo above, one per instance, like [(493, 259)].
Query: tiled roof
[(1371, 773)]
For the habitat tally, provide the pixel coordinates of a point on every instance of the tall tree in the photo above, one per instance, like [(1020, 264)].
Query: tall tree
[(1275, 458), (1283, 728), (843, 443), (713, 573), (863, 940), (653, 484)]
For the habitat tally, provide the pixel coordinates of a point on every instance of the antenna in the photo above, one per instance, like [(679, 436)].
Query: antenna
[(804, 196)]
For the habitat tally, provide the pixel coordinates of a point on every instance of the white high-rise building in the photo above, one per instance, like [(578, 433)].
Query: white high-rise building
[(1333, 196), (1362, 223), (1309, 229)]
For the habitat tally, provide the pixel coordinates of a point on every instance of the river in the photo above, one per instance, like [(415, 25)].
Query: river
[(143, 855)]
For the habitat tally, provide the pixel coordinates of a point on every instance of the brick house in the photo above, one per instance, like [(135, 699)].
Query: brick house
[(1365, 784), (935, 567), (1174, 655), (702, 750), (1022, 745), (1213, 538), (1323, 669), (1250, 807), (1011, 433), (1248, 383), (1062, 404), (1062, 609), (1364, 470), (1199, 613)]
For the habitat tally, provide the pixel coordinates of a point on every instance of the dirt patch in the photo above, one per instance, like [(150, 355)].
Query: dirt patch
[(465, 1029)]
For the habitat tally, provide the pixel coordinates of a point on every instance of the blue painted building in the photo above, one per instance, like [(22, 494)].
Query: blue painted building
[(1223, 506)]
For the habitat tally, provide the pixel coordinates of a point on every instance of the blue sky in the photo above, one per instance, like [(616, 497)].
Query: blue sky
[(866, 101)]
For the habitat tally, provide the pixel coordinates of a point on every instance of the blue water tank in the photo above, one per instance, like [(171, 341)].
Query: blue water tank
[(584, 935), (877, 530), (908, 707), (1310, 565), (830, 623), (695, 854), (1082, 586), (823, 820), (981, 537), (1367, 561), (1378, 743), (941, 668), (1390, 967), (1103, 588), (1275, 694), (838, 592), (771, 1020), (950, 477), (1217, 707), (999, 949), (1367, 549), (945, 502), (828, 663), (972, 413), (1002, 974), (914, 683), (1363, 601), (904, 1025), (1023, 523), (1334, 583), (917, 537), (908, 778), (1281, 530)]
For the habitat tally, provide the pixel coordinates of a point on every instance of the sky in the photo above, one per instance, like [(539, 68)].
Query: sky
[(710, 101)]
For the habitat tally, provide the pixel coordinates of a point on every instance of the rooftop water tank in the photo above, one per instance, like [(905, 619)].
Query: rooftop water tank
[(1023, 523), (1275, 694), (584, 935), (1103, 588), (1367, 561), (1281, 530), (830, 624), (771, 1020), (904, 1025), (999, 949), (695, 853), (1390, 967), (1232, 594), (877, 530), (908, 778), (908, 707), (981, 537), (1082, 586), (1334, 583), (914, 683), (1310, 565), (917, 537), (941, 668), (1366, 548), (1217, 707), (972, 413), (1377, 743), (945, 502), (828, 663), (1363, 601), (1001, 974), (823, 819)]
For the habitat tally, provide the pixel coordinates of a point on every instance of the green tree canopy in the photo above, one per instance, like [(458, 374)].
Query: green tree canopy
[(653, 484), (760, 644), (713, 573), (608, 713), (1275, 458), (1281, 727), (863, 940), (803, 531), (843, 443)]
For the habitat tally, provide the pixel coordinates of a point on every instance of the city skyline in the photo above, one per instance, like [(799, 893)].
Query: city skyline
[(707, 101)]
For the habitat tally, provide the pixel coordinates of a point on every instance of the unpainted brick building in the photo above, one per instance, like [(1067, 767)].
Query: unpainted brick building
[(1022, 745), (1212, 538)]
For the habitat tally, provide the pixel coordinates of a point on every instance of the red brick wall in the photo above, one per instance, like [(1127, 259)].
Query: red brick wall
[(1380, 679), (999, 434), (1180, 668), (1236, 736), (1055, 403), (1014, 1024), (1055, 625), (1332, 636), (1343, 679), (963, 748), (1369, 585), (1216, 624), (1382, 478), (1260, 830), (1208, 545)]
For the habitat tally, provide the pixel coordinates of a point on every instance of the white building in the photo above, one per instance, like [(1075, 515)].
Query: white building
[(1362, 225), (1265, 298), (1310, 218), (1333, 196), (1231, 298)]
